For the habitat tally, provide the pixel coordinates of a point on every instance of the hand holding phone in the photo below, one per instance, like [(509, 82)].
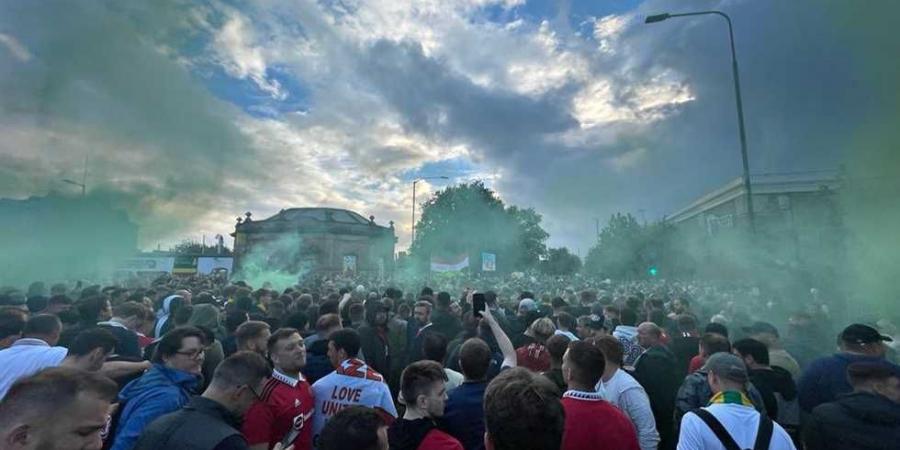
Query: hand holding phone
[(478, 304)]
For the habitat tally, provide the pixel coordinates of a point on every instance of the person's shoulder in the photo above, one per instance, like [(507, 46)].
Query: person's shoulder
[(440, 440)]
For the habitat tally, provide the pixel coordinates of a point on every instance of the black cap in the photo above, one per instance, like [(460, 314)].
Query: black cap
[(862, 334), (594, 322), (761, 327)]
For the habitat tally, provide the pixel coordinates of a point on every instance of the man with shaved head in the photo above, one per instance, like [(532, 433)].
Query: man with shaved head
[(657, 371)]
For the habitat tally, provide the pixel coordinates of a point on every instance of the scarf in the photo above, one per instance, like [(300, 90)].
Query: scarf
[(731, 398)]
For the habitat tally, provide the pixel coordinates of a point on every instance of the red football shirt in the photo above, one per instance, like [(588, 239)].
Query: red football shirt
[(286, 408), (595, 424)]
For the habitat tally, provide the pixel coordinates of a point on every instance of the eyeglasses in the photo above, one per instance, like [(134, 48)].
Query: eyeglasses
[(193, 354)]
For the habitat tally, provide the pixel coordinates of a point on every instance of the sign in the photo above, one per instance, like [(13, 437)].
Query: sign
[(451, 264), (488, 262), (207, 264), (149, 264), (350, 263)]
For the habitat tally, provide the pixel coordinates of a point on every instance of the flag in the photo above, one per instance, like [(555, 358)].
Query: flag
[(449, 264), (488, 262)]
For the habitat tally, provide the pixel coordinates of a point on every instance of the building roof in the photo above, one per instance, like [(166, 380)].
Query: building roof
[(314, 219), (761, 184)]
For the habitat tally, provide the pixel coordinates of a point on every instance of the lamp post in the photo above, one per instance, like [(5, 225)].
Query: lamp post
[(737, 94), (81, 185), (412, 236)]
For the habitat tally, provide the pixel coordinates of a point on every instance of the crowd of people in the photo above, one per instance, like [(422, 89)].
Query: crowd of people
[(349, 362)]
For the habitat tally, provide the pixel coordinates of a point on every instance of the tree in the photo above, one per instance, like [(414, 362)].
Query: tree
[(469, 219), (618, 252), (560, 262)]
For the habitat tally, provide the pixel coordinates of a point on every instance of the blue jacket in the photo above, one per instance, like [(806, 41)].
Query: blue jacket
[(826, 377), (159, 391)]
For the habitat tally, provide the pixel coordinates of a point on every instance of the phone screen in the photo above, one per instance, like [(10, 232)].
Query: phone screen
[(478, 304)]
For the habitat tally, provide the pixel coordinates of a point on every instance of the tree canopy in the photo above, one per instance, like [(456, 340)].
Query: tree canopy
[(470, 219)]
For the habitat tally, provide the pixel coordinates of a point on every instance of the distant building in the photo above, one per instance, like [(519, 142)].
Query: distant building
[(319, 240), (797, 217)]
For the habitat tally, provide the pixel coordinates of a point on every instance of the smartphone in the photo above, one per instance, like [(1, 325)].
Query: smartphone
[(478, 304)]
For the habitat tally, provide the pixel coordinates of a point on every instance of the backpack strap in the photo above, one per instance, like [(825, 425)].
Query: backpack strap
[(717, 429), (764, 433)]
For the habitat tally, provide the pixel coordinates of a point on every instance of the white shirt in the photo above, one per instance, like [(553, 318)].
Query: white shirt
[(741, 422), (623, 391), (454, 379), (27, 357), (352, 384), (567, 334)]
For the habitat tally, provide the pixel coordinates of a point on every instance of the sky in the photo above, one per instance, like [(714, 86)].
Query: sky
[(190, 113)]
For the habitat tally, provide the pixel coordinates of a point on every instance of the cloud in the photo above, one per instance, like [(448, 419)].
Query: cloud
[(194, 112), (15, 47)]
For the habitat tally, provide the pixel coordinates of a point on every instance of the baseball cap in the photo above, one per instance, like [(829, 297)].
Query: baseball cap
[(862, 334), (594, 322), (528, 304), (728, 366), (761, 327)]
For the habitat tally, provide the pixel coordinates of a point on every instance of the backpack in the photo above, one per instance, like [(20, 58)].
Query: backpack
[(763, 434)]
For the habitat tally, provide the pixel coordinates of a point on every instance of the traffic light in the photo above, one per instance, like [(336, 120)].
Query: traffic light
[(653, 271)]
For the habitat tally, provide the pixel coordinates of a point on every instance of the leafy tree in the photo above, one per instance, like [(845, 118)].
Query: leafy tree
[(470, 218), (617, 253), (560, 262)]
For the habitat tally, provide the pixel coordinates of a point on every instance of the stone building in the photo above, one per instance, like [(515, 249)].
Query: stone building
[(316, 240), (799, 224)]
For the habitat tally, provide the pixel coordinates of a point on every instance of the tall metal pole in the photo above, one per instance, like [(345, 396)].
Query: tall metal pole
[(84, 177), (412, 234), (751, 215)]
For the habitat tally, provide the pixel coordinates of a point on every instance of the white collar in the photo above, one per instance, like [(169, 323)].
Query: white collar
[(114, 322), (31, 341), (583, 395), (287, 379)]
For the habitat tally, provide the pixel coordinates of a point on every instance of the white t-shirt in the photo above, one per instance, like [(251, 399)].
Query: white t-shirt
[(351, 384), (27, 357), (623, 391), (454, 379), (741, 422)]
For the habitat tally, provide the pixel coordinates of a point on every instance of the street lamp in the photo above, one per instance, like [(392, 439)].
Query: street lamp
[(737, 94), (413, 229), (81, 185)]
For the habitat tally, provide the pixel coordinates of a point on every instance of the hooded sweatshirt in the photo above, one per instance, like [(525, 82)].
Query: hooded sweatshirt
[(420, 434), (859, 420), (159, 391)]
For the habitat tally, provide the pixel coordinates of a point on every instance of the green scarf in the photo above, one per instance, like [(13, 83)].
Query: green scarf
[(731, 397)]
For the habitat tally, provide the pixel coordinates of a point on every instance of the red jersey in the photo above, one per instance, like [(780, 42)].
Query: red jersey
[(595, 424), (284, 412), (534, 357)]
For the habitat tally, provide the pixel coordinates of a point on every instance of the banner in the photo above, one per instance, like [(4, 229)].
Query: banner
[(451, 264), (488, 262)]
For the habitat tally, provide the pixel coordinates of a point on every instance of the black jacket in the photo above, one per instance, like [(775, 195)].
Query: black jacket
[(203, 424), (657, 371), (317, 363), (376, 349), (859, 420), (774, 381)]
